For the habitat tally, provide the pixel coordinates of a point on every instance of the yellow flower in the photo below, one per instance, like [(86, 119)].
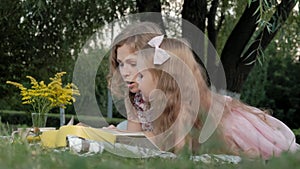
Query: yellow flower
[(44, 97)]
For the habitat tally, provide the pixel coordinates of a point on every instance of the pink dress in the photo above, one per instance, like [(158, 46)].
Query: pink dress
[(247, 133)]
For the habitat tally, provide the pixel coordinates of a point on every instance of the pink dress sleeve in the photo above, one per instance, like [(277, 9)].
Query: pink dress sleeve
[(249, 134)]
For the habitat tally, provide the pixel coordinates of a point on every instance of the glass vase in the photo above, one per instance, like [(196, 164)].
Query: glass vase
[(39, 120)]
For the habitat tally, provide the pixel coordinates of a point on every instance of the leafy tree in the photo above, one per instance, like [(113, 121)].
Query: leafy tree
[(239, 30), (242, 33), (40, 38)]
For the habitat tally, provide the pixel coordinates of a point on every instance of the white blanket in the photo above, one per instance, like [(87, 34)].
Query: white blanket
[(85, 147)]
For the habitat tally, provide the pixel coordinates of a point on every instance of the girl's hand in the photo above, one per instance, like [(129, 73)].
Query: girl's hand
[(82, 124), (110, 127)]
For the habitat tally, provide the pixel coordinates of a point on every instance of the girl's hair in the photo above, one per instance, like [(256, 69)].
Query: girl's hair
[(180, 78), (181, 95)]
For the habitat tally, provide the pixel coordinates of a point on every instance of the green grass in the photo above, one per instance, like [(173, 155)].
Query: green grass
[(18, 154)]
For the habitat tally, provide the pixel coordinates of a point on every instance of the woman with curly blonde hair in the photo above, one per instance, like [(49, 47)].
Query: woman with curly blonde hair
[(122, 71)]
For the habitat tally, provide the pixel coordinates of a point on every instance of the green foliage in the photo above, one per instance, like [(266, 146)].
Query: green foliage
[(277, 89), (43, 37), (40, 38), (274, 84), (254, 90), (297, 133), (284, 88)]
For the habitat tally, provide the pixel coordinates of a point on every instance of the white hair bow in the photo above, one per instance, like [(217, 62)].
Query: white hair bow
[(160, 55)]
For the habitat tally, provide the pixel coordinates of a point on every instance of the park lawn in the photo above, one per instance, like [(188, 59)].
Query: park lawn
[(19, 154)]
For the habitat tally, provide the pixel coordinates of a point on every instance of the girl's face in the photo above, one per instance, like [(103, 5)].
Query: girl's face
[(127, 67), (147, 83)]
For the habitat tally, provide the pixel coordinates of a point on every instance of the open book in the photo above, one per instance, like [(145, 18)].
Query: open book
[(57, 138)]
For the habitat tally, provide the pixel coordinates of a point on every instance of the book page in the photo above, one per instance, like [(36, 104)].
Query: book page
[(123, 132), (132, 138)]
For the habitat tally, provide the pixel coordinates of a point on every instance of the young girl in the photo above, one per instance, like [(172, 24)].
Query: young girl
[(123, 72), (169, 71)]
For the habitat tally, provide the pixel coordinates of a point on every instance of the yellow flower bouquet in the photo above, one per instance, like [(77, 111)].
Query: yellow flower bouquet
[(43, 97)]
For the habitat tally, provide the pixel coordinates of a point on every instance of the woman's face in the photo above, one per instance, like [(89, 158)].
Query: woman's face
[(127, 67), (147, 84)]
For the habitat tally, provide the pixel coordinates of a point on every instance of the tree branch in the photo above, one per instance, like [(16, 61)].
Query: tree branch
[(240, 36), (238, 71), (236, 44), (211, 18), (220, 23), (265, 37), (194, 11)]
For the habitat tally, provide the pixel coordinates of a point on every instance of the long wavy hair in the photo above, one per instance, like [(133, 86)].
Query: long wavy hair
[(184, 84)]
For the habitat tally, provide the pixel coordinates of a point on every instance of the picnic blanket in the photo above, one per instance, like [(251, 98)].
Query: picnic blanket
[(85, 147), (87, 144)]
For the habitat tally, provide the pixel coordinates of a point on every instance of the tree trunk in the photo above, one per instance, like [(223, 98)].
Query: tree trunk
[(213, 65), (194, 11), (151, 6), (235, 45), (237, 68)]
